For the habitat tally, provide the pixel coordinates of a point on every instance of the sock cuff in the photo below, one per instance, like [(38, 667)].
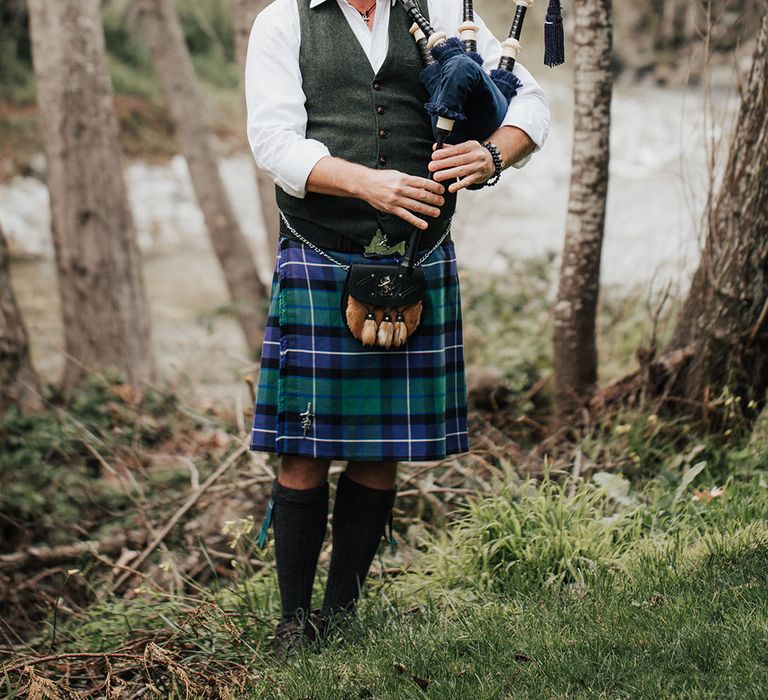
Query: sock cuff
[(317, 495), (361, 497)]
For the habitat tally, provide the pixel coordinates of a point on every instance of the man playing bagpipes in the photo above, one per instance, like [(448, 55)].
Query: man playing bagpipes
[(336, 116)]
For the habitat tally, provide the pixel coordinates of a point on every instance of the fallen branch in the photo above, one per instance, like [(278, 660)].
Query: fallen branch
[(163, 533), (652, 380), (38, 557), (437, 489)]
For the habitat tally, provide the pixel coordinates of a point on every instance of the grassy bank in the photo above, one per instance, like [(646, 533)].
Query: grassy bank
[(674, 622), (574, 591), (634, 566)]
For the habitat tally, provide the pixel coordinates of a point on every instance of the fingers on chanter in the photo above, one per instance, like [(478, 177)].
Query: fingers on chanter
[(461, 184), (419, 205), (426, 184), (425, 196), (453, 161), (453, 150), (458, 171), (412, 219)]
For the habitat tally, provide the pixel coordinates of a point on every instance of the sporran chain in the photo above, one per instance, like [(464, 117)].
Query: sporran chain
[(342, 265)]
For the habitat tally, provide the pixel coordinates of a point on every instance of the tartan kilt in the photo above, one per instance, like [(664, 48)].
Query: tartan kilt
[(359, 403)]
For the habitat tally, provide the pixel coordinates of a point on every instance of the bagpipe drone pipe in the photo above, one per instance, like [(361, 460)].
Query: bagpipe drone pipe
[(466, 102)]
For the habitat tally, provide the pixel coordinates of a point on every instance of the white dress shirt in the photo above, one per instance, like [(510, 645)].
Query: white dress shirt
[(277, 117)]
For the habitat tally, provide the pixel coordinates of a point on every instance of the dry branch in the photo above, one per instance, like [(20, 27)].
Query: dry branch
[(163, 533), (39, 557), (649, 380)]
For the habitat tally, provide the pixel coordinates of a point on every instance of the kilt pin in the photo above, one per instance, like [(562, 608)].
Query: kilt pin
[(322, 394)]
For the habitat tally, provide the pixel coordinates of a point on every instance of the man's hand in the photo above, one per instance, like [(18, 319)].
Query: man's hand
[(469, 160), (403, 195), (472, 162), (386, 190)]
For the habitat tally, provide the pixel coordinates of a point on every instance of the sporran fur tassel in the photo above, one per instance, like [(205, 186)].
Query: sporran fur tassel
[(385, 332), (401, 331), (369, 330), (386, 327)]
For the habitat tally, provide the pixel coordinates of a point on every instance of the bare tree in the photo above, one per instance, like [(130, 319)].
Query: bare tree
[(189, 114), (245, 12), (103, 299), (720, 340), (19, 383), (575, 356), (724, 321)]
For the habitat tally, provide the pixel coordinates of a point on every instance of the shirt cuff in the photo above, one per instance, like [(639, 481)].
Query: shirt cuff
[(532, 123), (297, 163)]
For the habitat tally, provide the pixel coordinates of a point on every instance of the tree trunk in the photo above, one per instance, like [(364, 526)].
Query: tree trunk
[(725, 316), (245, 12), (575, 356), (189, 114), (103, 299), (19, 383)]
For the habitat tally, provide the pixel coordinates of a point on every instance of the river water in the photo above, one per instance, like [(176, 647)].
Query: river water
[(659, 179)]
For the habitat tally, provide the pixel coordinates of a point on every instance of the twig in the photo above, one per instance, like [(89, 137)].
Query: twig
[(759, 323), (116, 566), (535, 389), (417, 473), (60, 657), (163, 533), (437, 489), (35, 557)]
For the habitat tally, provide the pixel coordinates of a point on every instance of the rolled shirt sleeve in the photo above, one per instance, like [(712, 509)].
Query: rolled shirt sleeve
[(277, 117), (529, 109)]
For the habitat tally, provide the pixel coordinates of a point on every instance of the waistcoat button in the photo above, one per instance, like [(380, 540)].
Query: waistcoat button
[(383, 134), (382, 160), (376, 85), (380, 109)]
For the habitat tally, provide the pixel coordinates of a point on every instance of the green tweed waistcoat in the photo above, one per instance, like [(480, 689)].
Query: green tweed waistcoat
[(377, 120)]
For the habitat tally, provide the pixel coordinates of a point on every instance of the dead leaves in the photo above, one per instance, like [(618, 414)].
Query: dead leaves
[(708, 495)]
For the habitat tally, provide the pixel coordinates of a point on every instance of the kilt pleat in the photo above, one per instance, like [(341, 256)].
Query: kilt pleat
[(358, 403)]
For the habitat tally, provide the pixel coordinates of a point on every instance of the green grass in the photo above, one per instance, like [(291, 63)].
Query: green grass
[(535, 593), (673, 625), (573, 590)]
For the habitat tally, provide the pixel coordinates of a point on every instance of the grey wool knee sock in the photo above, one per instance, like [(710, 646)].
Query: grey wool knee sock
[(299, 520), (360, 514)]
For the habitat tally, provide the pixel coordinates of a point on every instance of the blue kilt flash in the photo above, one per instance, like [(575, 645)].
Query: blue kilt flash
[(323, 394)]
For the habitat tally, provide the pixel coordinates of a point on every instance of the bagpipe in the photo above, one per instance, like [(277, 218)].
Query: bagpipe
[(382, 304), (466, 102)]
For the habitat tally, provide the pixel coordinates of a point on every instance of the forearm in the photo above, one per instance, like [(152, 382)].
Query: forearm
[(338, 177), (513, 143), (386, 190)]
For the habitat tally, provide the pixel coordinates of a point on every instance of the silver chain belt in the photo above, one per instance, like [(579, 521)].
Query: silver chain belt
[(342, 265)]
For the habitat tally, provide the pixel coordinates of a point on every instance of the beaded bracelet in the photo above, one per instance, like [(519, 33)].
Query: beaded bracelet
[(498, 164)]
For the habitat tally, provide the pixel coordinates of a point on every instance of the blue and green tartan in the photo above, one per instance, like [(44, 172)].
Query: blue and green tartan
[(358, 402)]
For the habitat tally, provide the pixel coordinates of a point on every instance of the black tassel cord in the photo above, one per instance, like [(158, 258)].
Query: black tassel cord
[(554, 41)]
